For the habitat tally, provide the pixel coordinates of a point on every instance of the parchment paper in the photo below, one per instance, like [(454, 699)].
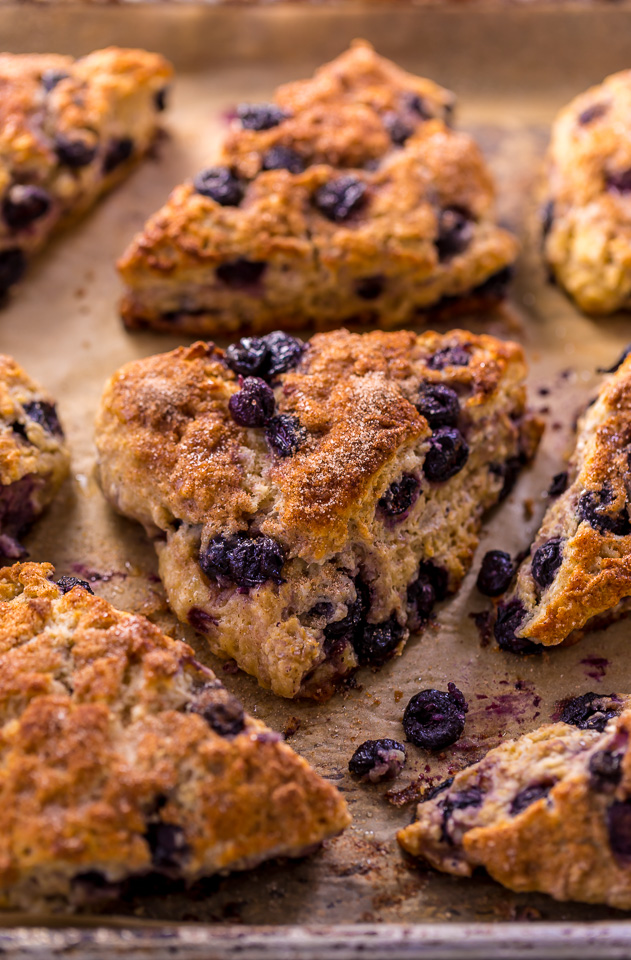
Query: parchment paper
[(63, 326)]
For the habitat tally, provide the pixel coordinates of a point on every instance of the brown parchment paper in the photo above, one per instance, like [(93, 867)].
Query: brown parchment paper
[(63, 326)]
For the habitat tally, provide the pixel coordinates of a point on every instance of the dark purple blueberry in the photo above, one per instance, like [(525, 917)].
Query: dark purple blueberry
[(283, 158), (376, 642), (117, 152), (619, 182), (378, 760), (605, 769), (349, 628), (529, 795), (243, 560), (434, 719), (370, 288), (592, 113), (24, 204), (222, 712), (455, 232), (12, 267), (221, 185), (260, 116), (429, 587), (509, 472), (397, 128), (254, 403), (20, 429), (17, 505), (67, 583), (495, 286), (160, 99), (338, 199), (619, 827), (45, 414), (241, 273), (439, 404), (592, 711), (448, 357), (439, 788), (547, 218), (546, 561), (74, 153), (50, 79), (496, 573), (448, 453), (416, 103), (510, 617), (591, 508), (400, 496), (167, 844), (615, 366), (472, 797), (558, 485), (93, 887), (265, 357), (284, 434), (200, 620)]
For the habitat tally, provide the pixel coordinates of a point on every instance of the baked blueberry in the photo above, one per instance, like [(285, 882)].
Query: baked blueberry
[(591, 711), (472, 797), (376, 642), (619, 181), (24, 204), (244, 560), (254, 403), (167, 844), (221, 185), (50, 78), (241, 273), (400, 496), (378, 760), (423, 593), (619, 828), (283, 158), (260, 116), (509, 472), (439, 404), (265, 357), (340, 198), (455, 232), (547, 218), (546, 561), (589, 114), (439, 788), (348, 629), (44, 413), (67, 583), (221, 711), (496, 573), (117, 152), (398, 129), (558, 484), (605, 769), (448, 357), (12, 267), (529, 795), (448, 453), (413, 101), (495, 286), (370, 288), (284, 434), (592, 508), (160, 99), (618, 363), (74, 153), (434, 719), (510, 616)]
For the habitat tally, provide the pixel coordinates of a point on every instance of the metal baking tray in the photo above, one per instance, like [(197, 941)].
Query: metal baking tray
[(512, 67)]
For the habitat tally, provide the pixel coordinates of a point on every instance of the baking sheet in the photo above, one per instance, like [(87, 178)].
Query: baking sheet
[(63, 326)]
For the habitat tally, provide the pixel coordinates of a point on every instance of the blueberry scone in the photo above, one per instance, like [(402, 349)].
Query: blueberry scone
[(587, 214), (549, 812), (579, 567), (346, 200), (69, 130), (310, 503), (124, 756), (34, 459)]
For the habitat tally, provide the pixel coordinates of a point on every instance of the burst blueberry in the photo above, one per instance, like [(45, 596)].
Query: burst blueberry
[(558, 484), (74, 153), (117, 152), (528, 796), (221, 711), (340, 198), (221, 185), (496, 573), (377, 760), (455, 356), (45, 414), (605, 768), (243, 560), (591, 711), (400, 496), (241, 274), (429, 587), (50, 78), (510, 617), (434, 719), (455, 232), (66, 584), (284, 434), (24, 204), (265, 357), (254, 403), (439, 404), (546, 561), (283, 158), (448, 453), (592, 507), (260, 116), (167, 844), (397, 128), (376, 642)]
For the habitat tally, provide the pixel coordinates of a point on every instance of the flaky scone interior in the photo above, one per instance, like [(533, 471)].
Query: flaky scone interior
[(121, 755), (313, 542)]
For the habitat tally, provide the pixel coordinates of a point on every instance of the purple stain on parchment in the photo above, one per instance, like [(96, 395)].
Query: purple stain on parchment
[(228, 115), (95, 576), (596, 667)]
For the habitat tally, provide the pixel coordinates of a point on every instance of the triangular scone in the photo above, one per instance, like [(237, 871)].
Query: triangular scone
[(313, 542), (579, 565), (586, 212), (122, 755), (34, 458), (347, 200), (549, 812), (69, 130)]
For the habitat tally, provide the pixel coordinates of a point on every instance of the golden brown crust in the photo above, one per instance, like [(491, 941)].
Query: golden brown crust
[(588, 225), (384, 263), (107, 734), (564, 837), (172, 457), (591, 521)]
